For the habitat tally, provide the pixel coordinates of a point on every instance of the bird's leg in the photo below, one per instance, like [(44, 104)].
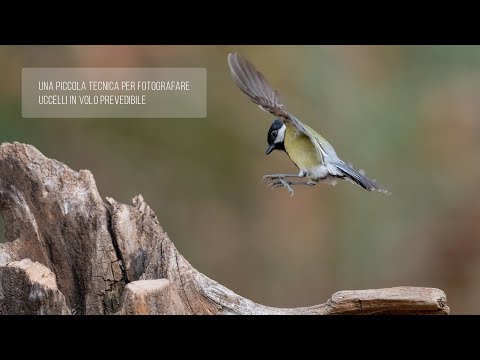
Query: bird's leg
[(283, 183), (287, 184), (281, 176)]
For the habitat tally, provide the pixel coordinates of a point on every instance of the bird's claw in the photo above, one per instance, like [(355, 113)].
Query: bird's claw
[(270, 177), (282, 183)]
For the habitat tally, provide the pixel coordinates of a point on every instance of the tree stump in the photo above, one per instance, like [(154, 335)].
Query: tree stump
[(70, 252)]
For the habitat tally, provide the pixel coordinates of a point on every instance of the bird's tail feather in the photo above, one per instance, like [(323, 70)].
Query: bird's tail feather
[(360, 179)]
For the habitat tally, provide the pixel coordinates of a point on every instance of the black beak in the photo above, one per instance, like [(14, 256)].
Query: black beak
[(270, 149)]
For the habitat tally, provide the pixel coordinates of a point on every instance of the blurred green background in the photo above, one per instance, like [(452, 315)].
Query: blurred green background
[(408, 115)]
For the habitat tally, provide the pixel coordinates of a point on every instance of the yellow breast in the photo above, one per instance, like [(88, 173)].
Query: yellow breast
[(300, 149)]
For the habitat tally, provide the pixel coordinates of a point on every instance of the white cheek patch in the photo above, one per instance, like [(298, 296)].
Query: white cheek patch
[(281, 134)]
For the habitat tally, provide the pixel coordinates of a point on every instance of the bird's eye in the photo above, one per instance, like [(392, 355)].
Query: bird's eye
[(274, 133)]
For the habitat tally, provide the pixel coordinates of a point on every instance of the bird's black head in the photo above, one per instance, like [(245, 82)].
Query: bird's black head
[(276, 136)]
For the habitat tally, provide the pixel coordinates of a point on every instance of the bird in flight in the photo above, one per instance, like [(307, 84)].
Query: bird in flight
[(309, 151)]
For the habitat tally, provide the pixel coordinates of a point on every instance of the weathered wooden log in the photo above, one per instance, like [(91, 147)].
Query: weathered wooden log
[(70, 252)]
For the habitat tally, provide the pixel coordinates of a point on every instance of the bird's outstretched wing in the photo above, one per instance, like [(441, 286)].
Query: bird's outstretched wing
[(256, 87)]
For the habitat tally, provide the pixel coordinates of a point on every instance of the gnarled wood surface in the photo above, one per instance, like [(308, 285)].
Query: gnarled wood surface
[(70, 252)]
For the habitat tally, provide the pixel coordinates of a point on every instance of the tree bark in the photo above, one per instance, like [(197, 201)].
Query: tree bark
[(70, 252)]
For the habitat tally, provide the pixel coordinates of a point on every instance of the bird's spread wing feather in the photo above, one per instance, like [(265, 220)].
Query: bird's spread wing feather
[(256, 87)]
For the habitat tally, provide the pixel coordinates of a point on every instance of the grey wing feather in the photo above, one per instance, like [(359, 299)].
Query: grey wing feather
[(256, 87)]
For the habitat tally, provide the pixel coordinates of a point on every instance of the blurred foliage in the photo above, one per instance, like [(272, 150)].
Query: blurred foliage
[(408, 115)]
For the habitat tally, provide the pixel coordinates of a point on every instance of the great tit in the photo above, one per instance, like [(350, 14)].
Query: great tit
[(308, 150)]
